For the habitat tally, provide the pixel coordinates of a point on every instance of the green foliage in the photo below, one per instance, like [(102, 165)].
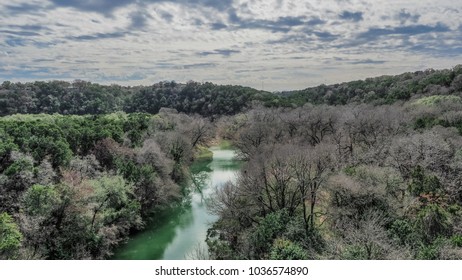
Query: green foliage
[(443, 77), (6, 147), (437, 99), (219, 249), (40, 200), (272, 226), (433, 250), (379, 90), (422, 183), (402, 231), (116, 202), (398, 93), (432, 222), (283, 249), (40, 139), (354, 252), (10, 236), (18, 166), (207, 99), (427, 122), (146, 181), (59, 137), (456, 240), (429, 252), (350, 170), (78, 208), (134, 127), (128, 169)]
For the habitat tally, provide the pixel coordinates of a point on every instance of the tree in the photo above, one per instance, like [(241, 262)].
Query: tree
[(14, 180), (429, 150), (266, 231), (283, 249), (114, 204), (352, 200), (367, 239), (40, 200), (38, 208), (422, 183), (311, 169), (10, 237), (433, 221), (200, 131)]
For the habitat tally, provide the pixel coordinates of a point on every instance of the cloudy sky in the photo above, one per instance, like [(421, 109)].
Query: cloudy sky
[(270, 44)]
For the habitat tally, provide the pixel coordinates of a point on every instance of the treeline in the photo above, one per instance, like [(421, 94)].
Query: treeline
[(81, 98), (73, 187), (207, 99), (379, 90), (344, 182)]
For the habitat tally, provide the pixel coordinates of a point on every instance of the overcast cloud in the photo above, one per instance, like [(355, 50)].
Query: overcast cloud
[(274, 44)]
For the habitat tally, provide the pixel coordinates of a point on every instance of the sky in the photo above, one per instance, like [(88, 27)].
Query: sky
[(273, 45)]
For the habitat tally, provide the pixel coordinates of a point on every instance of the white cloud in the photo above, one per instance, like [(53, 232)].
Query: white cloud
[(282, 44)]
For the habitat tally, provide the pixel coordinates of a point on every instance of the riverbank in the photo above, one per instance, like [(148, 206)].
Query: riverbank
[(179, 232)]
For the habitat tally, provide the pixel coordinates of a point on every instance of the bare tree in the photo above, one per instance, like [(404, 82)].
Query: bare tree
[(428, 149), (368, 235), (199, 130)]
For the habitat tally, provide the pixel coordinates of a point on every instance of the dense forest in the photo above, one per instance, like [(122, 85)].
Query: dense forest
[(360, 170), (73, 187), (80, 98), (344, 182), (210, 100)]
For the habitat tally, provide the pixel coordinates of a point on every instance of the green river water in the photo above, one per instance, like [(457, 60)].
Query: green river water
[(177, 233)]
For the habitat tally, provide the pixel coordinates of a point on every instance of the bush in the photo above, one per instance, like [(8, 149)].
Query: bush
[(283, 249)]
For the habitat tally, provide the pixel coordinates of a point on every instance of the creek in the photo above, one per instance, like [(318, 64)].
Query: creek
[(179, 232)]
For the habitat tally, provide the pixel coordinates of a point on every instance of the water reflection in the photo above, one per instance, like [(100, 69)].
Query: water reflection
[(175, 233)]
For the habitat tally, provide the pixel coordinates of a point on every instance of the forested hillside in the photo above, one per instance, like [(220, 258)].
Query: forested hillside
[(80, 98), (207, 99), (381, 90), (360, 170)]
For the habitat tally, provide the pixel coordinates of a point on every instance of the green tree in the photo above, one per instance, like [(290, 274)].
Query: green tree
[(422, 183), (270, 227), (10, 237), (433, 221), (40, 200), (114, 204), (283, 249)]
